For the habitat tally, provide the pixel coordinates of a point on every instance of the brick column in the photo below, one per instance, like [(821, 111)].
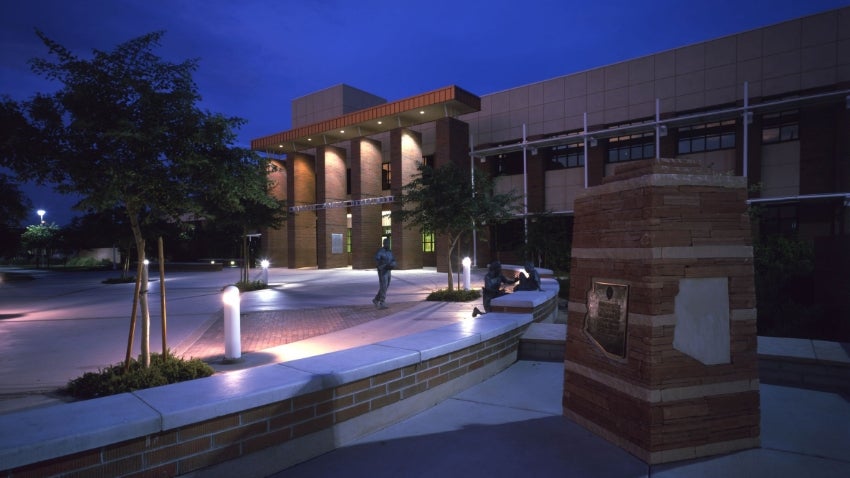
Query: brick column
[(405, 155), (331, 222), (301, 226), (451, 146), (661, 344), (275, 241), (365, 184)]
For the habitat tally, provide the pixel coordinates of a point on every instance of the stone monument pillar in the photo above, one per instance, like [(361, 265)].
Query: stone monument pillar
[(661, 352)]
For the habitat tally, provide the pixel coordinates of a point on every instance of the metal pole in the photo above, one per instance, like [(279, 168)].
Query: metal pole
[(524, 184), (585, 150), (746, 127), (657, 128), (472, 181)]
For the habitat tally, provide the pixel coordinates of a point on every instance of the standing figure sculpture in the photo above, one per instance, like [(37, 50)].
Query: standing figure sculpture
[(385, 262), (493, 281)]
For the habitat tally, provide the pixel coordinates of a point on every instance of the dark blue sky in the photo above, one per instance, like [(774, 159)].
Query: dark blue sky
[(257, 55)]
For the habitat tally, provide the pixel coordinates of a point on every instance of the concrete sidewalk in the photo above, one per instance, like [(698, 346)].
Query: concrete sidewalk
[(509, 425)]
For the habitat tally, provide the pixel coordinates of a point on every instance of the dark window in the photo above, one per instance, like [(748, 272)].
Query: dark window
[(778, 220), (509, 163), (631, 147), (566, 156), (348, 181), (386, 176), (780, 127), (707, 137)]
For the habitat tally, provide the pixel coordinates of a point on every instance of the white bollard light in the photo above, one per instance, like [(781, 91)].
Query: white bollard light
[(265, 265), (232, 339), (466, 263)]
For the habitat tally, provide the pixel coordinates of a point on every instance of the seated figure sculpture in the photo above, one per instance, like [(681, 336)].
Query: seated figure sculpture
[(530, 280), (493, 281)]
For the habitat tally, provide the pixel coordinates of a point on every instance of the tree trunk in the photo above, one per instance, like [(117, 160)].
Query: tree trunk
[(143, 292), (451, 249)]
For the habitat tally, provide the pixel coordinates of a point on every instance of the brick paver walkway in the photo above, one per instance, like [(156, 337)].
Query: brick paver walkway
[(262, 330)]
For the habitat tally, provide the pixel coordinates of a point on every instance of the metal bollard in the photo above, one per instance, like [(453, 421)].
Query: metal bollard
[(232, 339), (466, 262)]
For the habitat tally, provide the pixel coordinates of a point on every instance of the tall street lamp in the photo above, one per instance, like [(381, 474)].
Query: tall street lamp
[(41, 213)]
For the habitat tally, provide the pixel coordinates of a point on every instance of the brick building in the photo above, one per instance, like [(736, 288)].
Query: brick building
[(771, 104)]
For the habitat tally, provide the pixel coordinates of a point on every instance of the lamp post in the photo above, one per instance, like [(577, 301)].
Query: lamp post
[(41, 213)]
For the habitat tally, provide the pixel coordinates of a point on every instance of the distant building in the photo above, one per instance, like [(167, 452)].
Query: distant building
[(771, 104)]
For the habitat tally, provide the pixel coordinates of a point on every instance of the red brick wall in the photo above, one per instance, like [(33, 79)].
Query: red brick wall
[(405, 155), (200, 445), (365, 183), (648, 226), (301, 226), (330, 187)]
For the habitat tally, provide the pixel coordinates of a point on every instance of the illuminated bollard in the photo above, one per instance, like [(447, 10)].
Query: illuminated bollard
[(265, 265), (466, 262), (232, 339)]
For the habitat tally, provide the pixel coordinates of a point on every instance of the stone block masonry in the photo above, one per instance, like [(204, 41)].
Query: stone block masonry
[(686, 386)]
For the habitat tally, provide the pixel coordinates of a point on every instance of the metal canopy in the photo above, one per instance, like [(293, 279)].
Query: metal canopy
[(450, 101)]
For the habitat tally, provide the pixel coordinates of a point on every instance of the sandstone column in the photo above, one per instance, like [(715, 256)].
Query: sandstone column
[(661, 352)]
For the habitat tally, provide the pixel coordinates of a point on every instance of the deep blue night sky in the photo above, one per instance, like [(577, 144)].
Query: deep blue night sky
[(257, 55)]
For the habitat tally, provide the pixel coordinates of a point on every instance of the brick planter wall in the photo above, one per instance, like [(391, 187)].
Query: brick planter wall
[(292, 429)]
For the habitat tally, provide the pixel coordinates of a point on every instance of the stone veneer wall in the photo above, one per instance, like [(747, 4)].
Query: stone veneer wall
[(293, 429), (652, 224)]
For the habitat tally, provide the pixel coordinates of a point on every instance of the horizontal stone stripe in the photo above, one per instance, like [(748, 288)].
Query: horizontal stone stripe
[(666, 394), (737, 315), (647, 253)]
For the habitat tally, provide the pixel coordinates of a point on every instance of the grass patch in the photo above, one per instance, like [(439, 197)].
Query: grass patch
[(445, 295), (114, 380)]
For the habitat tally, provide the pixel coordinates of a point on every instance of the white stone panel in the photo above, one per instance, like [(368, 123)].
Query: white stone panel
[(702, 320)]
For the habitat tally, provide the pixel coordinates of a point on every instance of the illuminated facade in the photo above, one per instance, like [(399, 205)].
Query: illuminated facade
[(772, 104)]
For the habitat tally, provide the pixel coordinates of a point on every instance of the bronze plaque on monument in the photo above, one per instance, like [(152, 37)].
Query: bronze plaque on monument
[(607, 316)]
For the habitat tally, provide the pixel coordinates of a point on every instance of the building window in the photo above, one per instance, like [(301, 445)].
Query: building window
[(348, 181), (386, 225), (348, 241), (631, 147), (427, 242), (780, 127), (778, 220), (386, 176), (509, 163), (566, 156), (707, 137)]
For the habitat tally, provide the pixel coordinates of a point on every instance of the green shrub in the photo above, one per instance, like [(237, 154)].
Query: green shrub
[(87, 263), (251, 285), (114, 380), (119, 280), (445, 295)]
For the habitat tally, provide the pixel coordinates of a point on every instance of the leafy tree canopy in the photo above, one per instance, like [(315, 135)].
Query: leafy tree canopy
[(445, 200), (124, 130), (14, 205)]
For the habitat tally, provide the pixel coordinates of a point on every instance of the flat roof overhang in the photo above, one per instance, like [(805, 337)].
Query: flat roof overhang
[(445, 102)]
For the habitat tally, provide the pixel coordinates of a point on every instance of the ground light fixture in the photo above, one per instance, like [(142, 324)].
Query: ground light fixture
[(466, 279), (265, 265)]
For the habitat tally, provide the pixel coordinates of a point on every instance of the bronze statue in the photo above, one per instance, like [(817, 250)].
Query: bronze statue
[(386, 263)]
